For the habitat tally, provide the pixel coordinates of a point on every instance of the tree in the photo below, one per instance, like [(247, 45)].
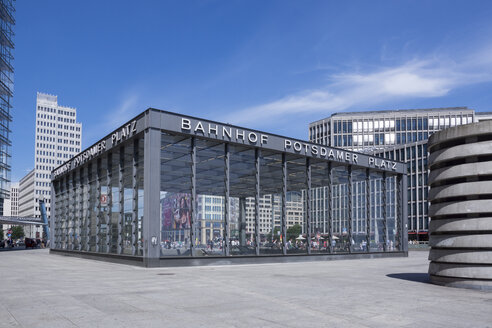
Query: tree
[(294, 232), (17, 232)]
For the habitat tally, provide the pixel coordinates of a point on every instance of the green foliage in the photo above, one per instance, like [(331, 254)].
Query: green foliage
[(294, 232), (17, 232)]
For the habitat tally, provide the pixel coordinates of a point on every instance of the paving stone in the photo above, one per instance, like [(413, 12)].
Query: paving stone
[(39, 289)]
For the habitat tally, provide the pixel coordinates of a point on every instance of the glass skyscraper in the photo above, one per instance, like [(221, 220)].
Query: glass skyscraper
[(6, 92), (397, 135)]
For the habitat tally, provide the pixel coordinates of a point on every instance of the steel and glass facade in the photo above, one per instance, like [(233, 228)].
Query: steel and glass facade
[(396, 135), (7, 22), (167, 189)]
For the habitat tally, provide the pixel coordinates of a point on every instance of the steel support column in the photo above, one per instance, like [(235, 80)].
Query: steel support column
[(227, 214), (121, 221), (349, 209), (109, 167), (152, 180), (242, 221), (67, 215), (404, 212), (308, 204), (329, 207), (88, 220), (82, 206), (385, 214), (71, 220), (194, 200), (398, 239), (98, 204), (135, 197), (78, 207), (54, 214), (368, 210), (283, 227), (257, 200)]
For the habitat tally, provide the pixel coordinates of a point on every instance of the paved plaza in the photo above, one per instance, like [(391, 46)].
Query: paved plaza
[(43, 290)]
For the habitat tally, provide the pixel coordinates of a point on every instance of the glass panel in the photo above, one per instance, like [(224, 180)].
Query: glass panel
[(296, 198), (63, 226), (391, 213), (92, 206), (210, 182), (377, 234), (242, 201), (175, 196), (358, 241), (140, 199), (340, 209), (84, 240), (102, 203), (271, 203), (114, 207), (127, 224), (105, 223), (319, 207), (59, 213), (71, 213), (78, 210)]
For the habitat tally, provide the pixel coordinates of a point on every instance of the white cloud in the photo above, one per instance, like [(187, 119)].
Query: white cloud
[(424, 78), (125, 111), (128, 108)]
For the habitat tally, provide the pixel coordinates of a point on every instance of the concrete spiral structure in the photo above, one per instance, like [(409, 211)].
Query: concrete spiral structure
[(460, 194)]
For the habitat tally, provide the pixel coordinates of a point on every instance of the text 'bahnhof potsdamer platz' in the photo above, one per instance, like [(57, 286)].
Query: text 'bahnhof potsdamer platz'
[(167, 189)]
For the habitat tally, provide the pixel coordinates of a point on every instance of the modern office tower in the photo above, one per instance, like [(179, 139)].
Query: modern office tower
[(395, 134), (7, 11), (58, 138)]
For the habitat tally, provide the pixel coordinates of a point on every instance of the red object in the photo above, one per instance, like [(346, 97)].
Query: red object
[(30, 243)]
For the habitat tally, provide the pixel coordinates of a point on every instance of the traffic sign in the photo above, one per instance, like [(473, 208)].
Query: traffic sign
[(104, 200)]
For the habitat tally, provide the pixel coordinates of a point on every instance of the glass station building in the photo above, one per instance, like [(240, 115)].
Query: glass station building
[(167, 189)]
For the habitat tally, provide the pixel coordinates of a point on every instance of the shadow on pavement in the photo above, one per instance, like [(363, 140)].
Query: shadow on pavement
[(17, 248), (417, 277)]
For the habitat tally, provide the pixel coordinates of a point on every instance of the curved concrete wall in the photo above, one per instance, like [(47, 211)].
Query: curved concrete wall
[(460, 194)]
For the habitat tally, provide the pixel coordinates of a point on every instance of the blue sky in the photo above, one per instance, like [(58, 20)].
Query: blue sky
[(269, 65)]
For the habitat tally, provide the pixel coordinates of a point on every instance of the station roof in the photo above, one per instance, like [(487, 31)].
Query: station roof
[(210, 138)]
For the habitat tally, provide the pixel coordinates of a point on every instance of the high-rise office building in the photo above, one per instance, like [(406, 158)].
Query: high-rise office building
[(58, 138), (395, 134), (7, 21)]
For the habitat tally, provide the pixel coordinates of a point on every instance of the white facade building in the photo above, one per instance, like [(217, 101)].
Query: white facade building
[(26, 195), (11, 206), (58, 138)]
